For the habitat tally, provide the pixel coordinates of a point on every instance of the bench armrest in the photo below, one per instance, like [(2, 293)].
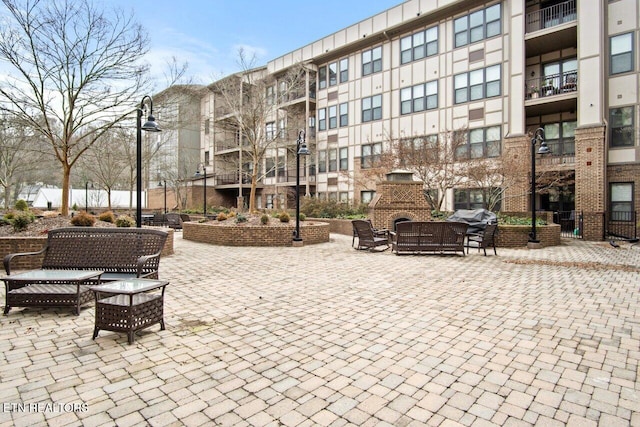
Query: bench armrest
[(9, 257), (143, 260)]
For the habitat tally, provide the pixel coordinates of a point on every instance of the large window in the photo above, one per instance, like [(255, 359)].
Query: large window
[(270, 131), (560, 138), (333, 159), (322, 160), (344, 70), (480, 143), (473, 198), (344, 114), (322, 78), (621, 201), (477, 26), (419, 45), (622, 127), (621, 48), (333, 117), (370, 155), (477, 84), (270, 167), (419, 98), (372, 61), (372, 108), (344, 159), (333, 74), (367, 196), (322, 119)]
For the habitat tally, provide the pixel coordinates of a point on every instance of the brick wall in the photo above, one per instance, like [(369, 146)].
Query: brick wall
[(591, 191), (517, 236), (263, 235)]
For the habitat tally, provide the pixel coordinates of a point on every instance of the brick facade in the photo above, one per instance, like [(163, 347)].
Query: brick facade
[(399, 200)]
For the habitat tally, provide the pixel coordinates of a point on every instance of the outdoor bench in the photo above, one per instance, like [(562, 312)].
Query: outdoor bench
[(118, 253), (414, 237)]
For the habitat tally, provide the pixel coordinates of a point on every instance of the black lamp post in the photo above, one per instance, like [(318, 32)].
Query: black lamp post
[(204, 173), (86, 195), (164, 183), (301, 149), (149, 126), (538, 135)]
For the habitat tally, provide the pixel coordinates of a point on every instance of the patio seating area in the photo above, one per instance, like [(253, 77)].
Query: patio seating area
[(317, 335)]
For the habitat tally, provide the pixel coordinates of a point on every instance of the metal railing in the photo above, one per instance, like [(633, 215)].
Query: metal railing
[(551, 16), (571, 224), (621, 225), (553, 84)]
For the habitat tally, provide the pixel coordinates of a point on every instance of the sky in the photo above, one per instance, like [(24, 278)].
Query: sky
[(207, 34)]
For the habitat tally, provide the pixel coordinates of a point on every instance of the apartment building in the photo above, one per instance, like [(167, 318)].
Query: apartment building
[(486, 74)]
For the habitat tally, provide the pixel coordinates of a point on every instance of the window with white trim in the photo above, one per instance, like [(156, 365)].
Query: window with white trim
[(333, 74), (370, 155), (477, 84), (481, 143), (333, 117), (419, 97), (621, 48), (371, 108), (478, 25), (344, 114), (322, 119), (621, 204), (372, 61), (344, 70), (622, 127), (419, 45), (344, 159)]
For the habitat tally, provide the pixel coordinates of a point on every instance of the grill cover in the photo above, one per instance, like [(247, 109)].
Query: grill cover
[(476, 218)]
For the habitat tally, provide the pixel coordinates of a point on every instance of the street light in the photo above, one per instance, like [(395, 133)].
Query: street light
[(86, 195), (149, 126), (538, 135), (301, 149), (160, 184), (204, 172)]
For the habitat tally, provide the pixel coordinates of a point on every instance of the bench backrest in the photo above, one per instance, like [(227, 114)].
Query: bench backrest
[(108, 249), (430, 232)]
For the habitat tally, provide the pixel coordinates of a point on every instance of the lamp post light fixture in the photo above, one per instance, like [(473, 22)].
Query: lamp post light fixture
[(149, 126), (204, 173), (163, 183), (301, 150), (538, 135)]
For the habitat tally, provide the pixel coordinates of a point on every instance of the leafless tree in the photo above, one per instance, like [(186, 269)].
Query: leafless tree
[(76, 72), (251, 104)]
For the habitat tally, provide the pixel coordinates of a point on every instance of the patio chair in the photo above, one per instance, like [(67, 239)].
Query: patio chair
[(483, 239), (367, 238), (382, 232)]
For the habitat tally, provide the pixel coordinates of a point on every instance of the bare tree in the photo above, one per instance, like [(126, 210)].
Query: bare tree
[(76, 72), (247, 97)]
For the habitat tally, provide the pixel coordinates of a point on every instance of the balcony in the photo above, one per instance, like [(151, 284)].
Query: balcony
[(552, 16), (232, 178), (554, 84), (552, 28)]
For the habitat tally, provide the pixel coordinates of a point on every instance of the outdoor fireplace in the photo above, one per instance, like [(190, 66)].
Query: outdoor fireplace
[(398, 199)]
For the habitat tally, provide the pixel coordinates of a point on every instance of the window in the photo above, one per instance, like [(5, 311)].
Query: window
[(480, 143), (560, 138), (270, 95), (372, 61), (270, 131), (269, 204), (322, 119), (477, 26), (473, 198), (322, 78), (270, 167), (343, 197), (344, 114), (344, 70), (477, 84), (333, 160), (322, 161), (333, 117), (367, 196), (419, 45), (207, 124), (370, 155), (344, 159), (621, 48), (333, 74), (372, 108), (621, 201), (419, 98), (557, 74), (282, 128), (622, 127)]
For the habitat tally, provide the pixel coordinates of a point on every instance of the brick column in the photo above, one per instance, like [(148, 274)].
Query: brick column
[(516, 196), (591, 182)]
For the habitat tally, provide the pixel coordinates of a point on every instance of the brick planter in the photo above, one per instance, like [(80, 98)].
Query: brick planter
[(254, 235)]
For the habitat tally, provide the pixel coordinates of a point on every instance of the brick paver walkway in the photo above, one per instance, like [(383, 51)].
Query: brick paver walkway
[(326, 335)]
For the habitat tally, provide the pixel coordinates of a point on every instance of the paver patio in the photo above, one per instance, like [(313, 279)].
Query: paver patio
[(326, 335)]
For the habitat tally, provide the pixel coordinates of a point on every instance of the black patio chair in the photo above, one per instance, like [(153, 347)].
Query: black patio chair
[(483, 239), (367, 238)]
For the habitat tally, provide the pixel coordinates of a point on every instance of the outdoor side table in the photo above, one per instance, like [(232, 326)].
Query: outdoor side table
[(129, 305)]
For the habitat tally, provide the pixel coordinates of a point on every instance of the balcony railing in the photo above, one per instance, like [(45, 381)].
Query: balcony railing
[(553, 84), (231, 178), (551, 16)]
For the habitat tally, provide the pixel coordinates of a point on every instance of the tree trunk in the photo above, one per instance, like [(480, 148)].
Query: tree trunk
[(66, 179), (252, 194)]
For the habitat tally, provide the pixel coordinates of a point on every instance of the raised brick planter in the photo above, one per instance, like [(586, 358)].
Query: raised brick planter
[(254, 235)]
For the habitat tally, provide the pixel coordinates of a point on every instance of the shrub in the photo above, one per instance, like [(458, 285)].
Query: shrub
[(21, 205), (264, 219), (83, 219), (241, 218), (302, 216), (50, 214), (221, 216), (125, 221), (9, 216), (22, 220), (284, 217), (231, 214), (4, 221), (74, 207), (108, 216), (316, 208)]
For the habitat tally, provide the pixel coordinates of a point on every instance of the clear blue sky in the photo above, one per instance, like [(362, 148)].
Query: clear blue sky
[(208, 33)]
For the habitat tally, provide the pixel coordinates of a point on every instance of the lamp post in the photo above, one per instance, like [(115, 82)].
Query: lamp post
[(86, 195), (149, 126), (164, 183), (538, 135), (301, 149), (204, 173)]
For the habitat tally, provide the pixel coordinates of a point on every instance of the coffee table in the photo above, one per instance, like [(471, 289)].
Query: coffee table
[(129, 305), (49, 288)]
